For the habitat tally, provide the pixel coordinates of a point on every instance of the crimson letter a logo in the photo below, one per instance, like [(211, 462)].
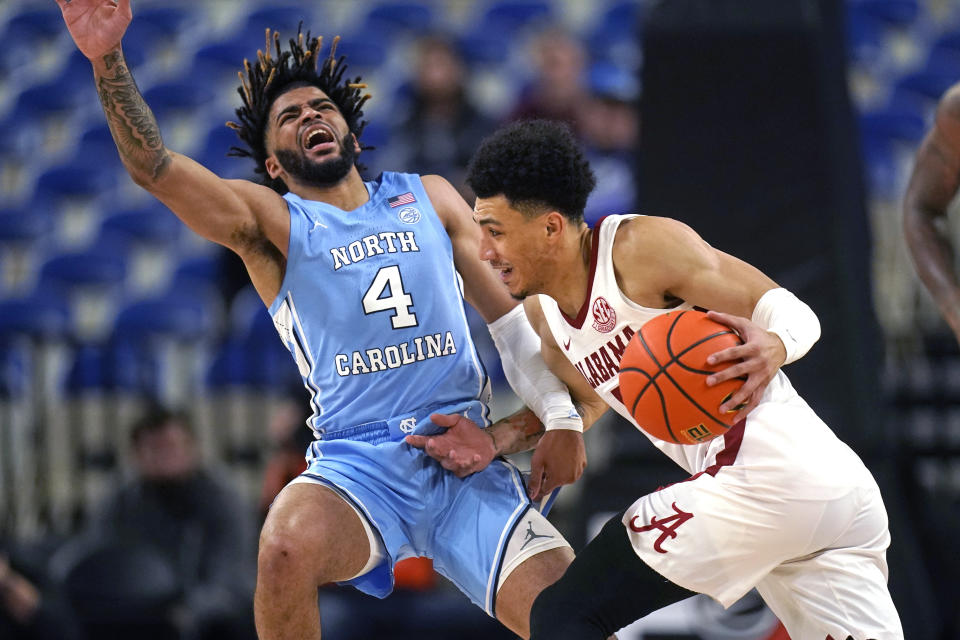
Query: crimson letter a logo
[(668, 526)]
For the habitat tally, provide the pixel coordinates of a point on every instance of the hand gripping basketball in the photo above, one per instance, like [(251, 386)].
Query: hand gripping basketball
[(663, 377)]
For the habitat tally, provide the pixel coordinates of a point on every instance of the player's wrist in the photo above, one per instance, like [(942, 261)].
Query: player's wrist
[(780, 312), (493, 440), (567, 423)]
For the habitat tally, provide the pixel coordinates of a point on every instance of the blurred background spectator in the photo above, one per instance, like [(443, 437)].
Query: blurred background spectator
[(440, 127), (557, 90), (200, 525), (610, 127), (106, 300)]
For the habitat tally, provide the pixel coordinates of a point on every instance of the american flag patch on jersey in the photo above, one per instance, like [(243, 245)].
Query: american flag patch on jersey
[(402, 199)]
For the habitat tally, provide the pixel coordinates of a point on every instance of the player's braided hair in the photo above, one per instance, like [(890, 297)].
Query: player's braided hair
[(273, 73), (537, 165)]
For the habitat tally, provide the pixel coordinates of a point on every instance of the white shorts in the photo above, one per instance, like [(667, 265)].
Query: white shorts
[(797, 515)]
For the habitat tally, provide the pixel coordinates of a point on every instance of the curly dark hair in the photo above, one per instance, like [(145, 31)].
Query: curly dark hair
[(536, 165), (275, 73)]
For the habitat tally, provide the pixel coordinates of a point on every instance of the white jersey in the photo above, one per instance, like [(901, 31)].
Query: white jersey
[(595, 340), (778, 503)]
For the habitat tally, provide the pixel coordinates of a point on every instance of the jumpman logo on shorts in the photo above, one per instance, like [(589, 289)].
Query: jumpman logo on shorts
[(532, 535)]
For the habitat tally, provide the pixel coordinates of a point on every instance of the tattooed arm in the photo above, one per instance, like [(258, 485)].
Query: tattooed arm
[(250, 219), (132, 124), (933, 184)]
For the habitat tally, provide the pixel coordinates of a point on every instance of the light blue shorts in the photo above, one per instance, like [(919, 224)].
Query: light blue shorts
[(421, 509)]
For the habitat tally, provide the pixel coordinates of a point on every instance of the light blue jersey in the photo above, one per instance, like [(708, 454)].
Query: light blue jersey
[(372, 311), (371, 308)]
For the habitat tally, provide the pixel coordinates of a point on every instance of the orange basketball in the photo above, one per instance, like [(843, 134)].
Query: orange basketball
[(663, 377)]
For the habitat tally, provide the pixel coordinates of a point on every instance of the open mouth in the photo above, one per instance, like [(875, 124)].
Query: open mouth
[(317, 138)]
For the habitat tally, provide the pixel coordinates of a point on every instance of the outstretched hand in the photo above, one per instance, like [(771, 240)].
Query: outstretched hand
[(96, 26), (462, 448), (761, 354)]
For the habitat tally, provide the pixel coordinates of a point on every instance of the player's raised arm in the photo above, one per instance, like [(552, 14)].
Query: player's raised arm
[(235, 213), (933, 184), (776, 327)]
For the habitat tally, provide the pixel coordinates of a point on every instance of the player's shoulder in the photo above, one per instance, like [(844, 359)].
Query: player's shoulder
[(433, 182), (649, 233), (442, 194)]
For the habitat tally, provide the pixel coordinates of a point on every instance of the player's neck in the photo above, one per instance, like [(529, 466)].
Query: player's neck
[(348, 194), (572, 284)]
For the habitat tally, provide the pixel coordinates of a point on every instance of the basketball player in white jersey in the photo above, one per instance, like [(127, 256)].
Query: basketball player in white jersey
[(779, 503)]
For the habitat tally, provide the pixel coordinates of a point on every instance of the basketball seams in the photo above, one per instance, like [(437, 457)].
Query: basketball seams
[(686, 367), (652, 382), (662, 369), (663, 400)]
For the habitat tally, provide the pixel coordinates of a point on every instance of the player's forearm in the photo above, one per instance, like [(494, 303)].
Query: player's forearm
[(132, 123), (933, 256), (517, 432), (521, 431)]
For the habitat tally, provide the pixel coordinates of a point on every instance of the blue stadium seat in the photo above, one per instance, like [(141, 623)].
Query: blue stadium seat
[(87, 180), (942, 61), (154, 224), (893, 124), (610, 80), (949, 40), (32, 25), (41, 315), (506, 17), (213, 156), (24, 225), (98, 267), (219, 62), (617, 30), (483, 49), (880, 133), (900, 13), (14, 369), (284, 19), (399, 17), (200, 271), (108, 367), (48, 99), (864, 37), (96, 147), (365, 52), (169, 19), (929, 85), (253, 355), (171, 316), (265, 364), (171, 98)]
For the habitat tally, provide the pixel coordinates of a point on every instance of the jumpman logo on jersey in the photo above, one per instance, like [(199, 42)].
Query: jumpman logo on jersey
[(668, 526), (532, 535), (317, 223)]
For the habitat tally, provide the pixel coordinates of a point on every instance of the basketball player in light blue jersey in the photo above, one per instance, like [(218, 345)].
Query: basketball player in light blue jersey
[(365, 282)]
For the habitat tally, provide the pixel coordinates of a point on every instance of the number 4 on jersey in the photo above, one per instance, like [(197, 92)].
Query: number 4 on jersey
[(398, 300)]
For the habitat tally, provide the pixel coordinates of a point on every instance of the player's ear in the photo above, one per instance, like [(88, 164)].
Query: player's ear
[(356, 143), (272, 165), (554, 224)]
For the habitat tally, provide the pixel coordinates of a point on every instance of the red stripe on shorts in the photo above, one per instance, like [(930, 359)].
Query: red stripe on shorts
[(732, 440)]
